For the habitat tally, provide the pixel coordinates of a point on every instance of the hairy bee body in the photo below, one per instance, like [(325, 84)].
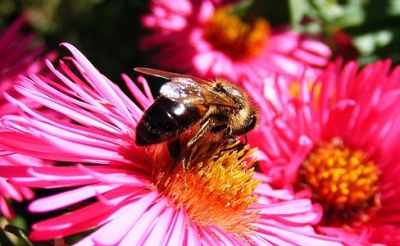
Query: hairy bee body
[(218, 108), (166, 119)]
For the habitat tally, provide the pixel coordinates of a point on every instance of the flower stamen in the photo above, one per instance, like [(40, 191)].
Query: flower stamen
[(235, 37), (343, 181), (216, 189)]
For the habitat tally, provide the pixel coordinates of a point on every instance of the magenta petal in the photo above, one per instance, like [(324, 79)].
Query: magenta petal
[(192, 234), (304, 147), (177, 230), (292, 237), (225, 238), (68, 198), (9, 191), (5, 208), (158, 235), (139, 232), (207, 236), (84, 218), (181, 45), (78, 221), (116, 230), (101, 84)]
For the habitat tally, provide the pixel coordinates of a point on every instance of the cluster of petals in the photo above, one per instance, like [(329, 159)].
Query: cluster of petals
[(177, 32), (109, 183), (358, 106), (17, 57)]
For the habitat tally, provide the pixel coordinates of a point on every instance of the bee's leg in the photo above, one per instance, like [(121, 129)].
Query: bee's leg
[(228, 139), (185, 162), (241, 145), (245, 140), (189, 146), (188, 152), (225, 131), (203, 129), (238, 146), (228, 134), (174, 149)]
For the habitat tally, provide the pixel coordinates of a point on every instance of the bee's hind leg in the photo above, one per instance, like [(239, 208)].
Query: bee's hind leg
[(174, 149), (187, 154), (203, 129), (187, 157)]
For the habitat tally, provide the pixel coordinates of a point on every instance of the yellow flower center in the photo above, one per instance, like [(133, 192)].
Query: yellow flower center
[(215, 189), (313, 88), (238, 39), (343, 181)]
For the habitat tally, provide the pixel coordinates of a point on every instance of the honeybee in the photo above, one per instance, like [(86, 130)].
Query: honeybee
[(219, 108)]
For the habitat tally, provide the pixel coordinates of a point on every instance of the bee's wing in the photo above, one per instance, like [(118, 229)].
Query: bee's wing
[(169, 75), (188, 89), (185, 90)]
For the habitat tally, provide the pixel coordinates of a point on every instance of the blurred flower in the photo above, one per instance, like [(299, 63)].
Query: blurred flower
[(136, 195), (343, 45), (211, 39), (18, 56), (339, 138)]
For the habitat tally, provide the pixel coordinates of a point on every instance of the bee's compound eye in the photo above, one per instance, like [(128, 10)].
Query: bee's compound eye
[(237, 93), (248, 124), (222, 88), (251, 123)]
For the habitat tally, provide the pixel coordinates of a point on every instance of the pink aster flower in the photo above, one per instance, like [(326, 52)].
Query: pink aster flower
[(207, 39), (17, 57), (130, 195), (338, 138)]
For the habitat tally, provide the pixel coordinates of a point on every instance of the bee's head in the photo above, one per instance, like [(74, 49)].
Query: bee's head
[(236, 94), (245, 119)]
